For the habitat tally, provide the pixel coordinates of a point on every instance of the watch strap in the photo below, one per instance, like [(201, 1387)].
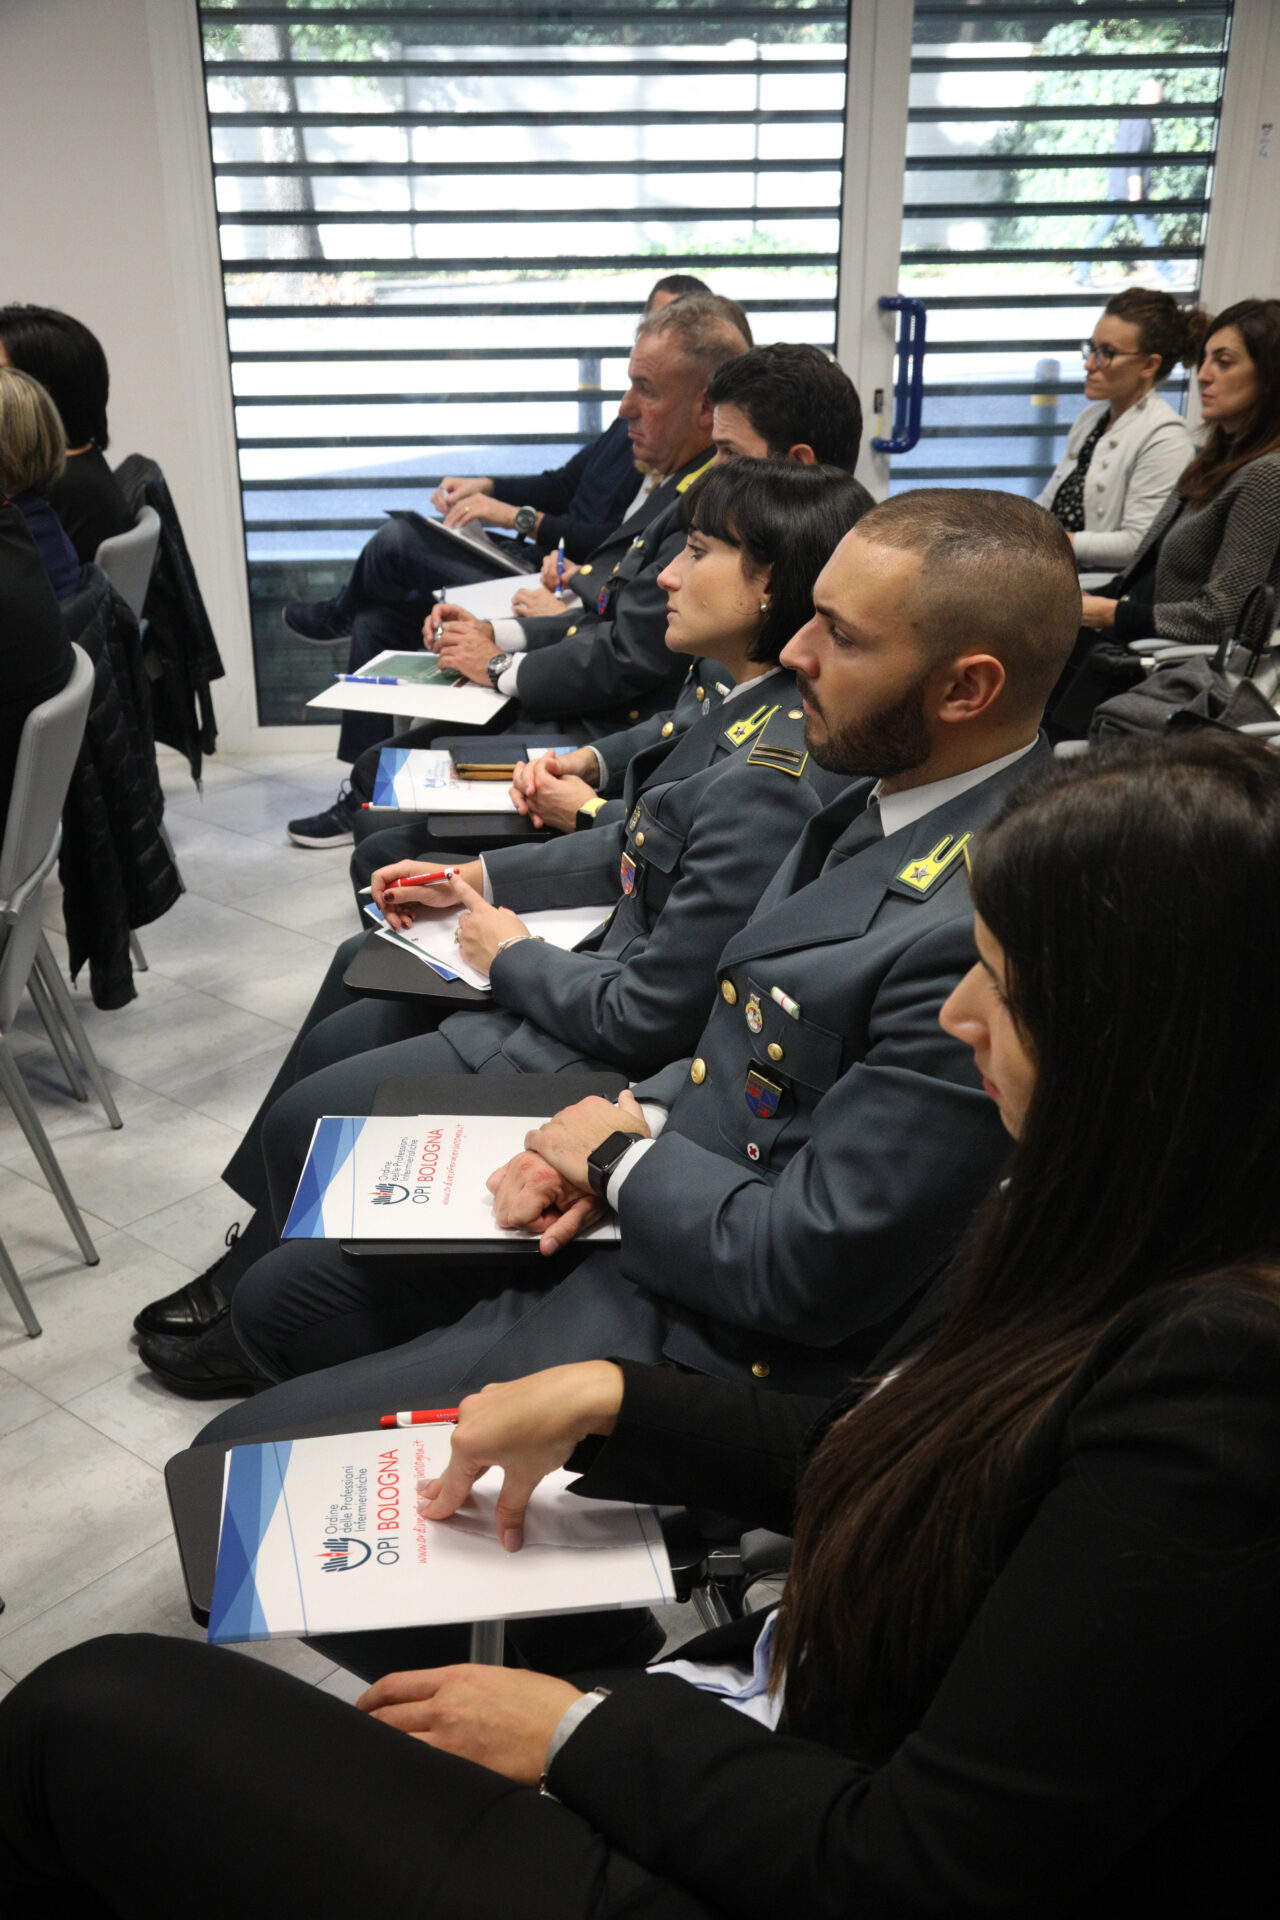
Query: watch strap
[(602, 1160)]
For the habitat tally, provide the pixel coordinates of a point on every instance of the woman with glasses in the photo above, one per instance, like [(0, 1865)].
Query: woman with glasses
[(1128, 446), (1218, 533), (1025, 1662)]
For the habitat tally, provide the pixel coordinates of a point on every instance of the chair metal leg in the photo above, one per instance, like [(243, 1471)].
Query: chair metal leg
[(44, 1006), (18, 1293), (12, 1085), (47, 967), (139, 957)]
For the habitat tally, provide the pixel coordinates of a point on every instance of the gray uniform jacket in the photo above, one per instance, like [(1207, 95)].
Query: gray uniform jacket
[(711, 814), (607, 669), (815, 1170), (701, 691)]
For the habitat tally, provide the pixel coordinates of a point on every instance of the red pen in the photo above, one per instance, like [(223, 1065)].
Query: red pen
[(422, 879), (430, 1417)]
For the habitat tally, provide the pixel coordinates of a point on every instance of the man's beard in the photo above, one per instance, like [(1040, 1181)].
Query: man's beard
[(877, 745)]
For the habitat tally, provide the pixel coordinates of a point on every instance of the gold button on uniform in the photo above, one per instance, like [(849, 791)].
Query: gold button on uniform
[(669, 729), (761, 1369), (569, 632), (730, 992), (634, 714), (584, 571), (639, 839), (796, 713), (775, 1051), (700, 693), (698, 1072)]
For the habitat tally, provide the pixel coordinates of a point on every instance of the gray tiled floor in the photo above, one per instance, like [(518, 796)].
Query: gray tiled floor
[(84, 1429)]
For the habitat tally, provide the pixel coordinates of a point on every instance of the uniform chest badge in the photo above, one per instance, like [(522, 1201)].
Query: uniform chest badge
[(763, 1096), (754, 1017), (627, 873), (603, 601), (634, 821)]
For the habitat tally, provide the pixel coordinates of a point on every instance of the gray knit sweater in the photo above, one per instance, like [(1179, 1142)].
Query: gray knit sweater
[(1210, 558)]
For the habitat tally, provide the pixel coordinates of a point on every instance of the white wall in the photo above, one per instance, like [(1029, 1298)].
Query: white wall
[(108, 214)]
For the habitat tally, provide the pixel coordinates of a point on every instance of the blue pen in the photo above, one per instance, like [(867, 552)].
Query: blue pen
[(370, 679), (560, 569)]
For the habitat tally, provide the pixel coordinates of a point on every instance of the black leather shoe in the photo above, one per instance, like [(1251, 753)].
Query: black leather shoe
[(193, 1308), (210, 1367), (318, 620)]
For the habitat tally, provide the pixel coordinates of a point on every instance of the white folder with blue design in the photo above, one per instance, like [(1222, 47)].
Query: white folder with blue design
[(426, 781), (323, 1536), (410, 1178)]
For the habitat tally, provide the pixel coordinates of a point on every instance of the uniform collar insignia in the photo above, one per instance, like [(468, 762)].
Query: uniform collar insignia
[(743, 730), (923, 873)]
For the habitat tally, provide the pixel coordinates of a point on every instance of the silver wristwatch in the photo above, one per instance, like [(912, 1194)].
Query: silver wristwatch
[(495, 667), (526, 521)]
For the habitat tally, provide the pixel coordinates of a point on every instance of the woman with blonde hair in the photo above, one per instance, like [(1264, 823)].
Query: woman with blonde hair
[(32, 458)]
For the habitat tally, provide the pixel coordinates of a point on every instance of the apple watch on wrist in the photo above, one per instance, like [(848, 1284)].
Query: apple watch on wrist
[(526, 521), (495, 666), (602, 1160)]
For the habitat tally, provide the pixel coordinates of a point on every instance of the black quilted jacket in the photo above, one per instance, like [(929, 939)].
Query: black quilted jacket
[(116, 869)]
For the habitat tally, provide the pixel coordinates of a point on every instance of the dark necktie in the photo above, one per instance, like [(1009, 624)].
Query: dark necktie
[(863, 831)]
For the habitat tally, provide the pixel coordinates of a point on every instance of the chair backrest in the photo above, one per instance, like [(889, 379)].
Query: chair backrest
[(47, 751), (127, 559)]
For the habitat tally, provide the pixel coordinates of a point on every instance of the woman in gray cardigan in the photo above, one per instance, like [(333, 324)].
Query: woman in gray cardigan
[(1128, 447), (1218, 533)]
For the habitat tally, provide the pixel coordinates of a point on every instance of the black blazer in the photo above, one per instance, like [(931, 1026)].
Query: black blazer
[(35, 653), (1104, 1742)]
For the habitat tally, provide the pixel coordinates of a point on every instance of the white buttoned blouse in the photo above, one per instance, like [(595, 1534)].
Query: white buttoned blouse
[(1134, 468)]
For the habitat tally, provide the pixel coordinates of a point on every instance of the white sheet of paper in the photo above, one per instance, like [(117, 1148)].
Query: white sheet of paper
[(409, 1178), (324, 1536), (465, 704), (491, 599), (431, 938)]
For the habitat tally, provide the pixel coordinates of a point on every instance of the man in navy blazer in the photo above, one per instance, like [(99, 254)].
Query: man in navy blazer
[(786, 1195)]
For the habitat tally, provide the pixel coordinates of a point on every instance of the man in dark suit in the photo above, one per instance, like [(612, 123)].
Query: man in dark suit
[(784, 1197), (668, 424)]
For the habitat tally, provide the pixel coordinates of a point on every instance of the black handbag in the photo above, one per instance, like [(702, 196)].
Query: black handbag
[(1199, 692)]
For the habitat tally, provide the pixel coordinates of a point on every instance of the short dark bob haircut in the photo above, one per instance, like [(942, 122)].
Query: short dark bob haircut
[(68, 362), (794, 395), (781, 516)]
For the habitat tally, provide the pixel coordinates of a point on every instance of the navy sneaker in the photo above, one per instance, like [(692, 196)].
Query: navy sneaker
[(318, 620), (335, 827)]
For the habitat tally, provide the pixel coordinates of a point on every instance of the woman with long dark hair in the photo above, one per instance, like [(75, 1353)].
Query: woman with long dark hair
[(1218, 533), (1026, 1658)]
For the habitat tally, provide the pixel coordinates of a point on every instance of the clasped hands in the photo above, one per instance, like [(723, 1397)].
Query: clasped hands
[(545, 1189), (551, 789), (501, 1717)]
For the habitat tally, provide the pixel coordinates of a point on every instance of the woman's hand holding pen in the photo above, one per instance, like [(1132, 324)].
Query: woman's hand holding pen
[(500, 1717), (528, 1428), (401, 905), (551, 576)]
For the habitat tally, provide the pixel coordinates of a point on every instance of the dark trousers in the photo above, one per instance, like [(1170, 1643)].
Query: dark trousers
[(143, 1776)]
